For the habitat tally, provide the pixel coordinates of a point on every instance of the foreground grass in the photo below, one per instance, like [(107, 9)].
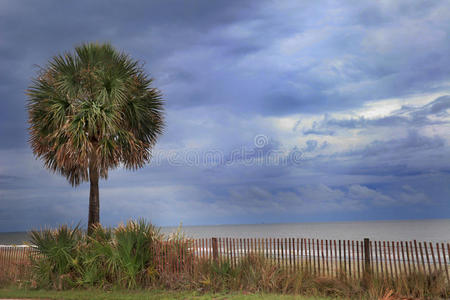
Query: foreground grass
[(96, 294)]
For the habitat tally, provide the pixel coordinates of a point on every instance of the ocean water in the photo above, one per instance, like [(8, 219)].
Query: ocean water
[(421, 230)]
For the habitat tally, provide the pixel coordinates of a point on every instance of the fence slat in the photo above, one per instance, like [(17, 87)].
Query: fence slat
[(302, 257), (227, 242), (236, 247), (241, 249), (234, 253), (407, 258), (357, 259), (259, 248), (399, 259), (427, 256), (336, 257), (394, 259), (290, 254), (391, 270), (439, 257), (353, 256), (445, 260), (309, 256), (375, 265), (271, 249), (332, 264), (349, 260), (433, 257), (326, 259), (382, 262), (340, 258), (294, 253), (313, 256), (286, 262), (421, 255), (287, 254), (404, 260), (278, 252), (417, 256), (316, 256), (266, 247)]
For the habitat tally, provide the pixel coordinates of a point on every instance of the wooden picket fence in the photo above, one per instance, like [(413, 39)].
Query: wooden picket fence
[(15, 261), (335, 258)]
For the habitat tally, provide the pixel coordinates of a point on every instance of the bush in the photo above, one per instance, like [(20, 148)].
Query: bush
[(60, 252), (119, 256)]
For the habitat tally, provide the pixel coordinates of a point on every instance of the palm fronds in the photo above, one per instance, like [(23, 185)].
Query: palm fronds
[(98, 101)]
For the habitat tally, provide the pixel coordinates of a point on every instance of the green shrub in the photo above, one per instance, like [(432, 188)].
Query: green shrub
[(120, 256), (59, 251), (131, 253)]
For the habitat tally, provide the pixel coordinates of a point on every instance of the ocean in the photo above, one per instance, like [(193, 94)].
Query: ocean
[(421, 230)]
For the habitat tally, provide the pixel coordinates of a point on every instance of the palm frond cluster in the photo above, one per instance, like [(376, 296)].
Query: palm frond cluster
[(120, 256), (93, 108)]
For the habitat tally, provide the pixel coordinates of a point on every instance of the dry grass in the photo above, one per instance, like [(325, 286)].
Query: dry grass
[(255, 274), (15, 265)]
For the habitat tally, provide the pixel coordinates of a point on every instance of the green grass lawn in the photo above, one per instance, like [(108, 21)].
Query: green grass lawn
[(129, 295)]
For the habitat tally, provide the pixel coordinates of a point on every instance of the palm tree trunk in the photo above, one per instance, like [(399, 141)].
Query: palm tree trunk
[(94, 196)]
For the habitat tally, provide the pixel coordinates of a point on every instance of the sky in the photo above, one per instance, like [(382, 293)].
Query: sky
[(276, 111)]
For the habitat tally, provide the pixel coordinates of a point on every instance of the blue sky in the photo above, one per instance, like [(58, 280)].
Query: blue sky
[(276, 111)]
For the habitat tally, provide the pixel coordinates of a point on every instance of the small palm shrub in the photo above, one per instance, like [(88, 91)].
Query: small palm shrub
[(59, 251), (131, 257), (121, 256)]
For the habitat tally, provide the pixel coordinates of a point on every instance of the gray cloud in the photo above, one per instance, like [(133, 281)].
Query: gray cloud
[(401, 146)]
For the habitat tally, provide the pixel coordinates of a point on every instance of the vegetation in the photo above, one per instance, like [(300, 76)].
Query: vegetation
[(127, 257), (117, 256), (138, 295), (91, 111)]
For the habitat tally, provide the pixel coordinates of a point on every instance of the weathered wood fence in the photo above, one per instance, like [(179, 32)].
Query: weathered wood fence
[(15, 261), (346, 258), (353, 259)]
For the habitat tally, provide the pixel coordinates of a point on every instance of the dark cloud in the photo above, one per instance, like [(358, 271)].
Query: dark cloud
[(439, 107), (311, 145)]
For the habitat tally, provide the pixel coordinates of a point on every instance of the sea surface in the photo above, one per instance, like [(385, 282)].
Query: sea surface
[(421, 230)]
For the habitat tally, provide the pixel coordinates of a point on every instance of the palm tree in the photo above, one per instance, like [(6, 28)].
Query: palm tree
[(90, 111)]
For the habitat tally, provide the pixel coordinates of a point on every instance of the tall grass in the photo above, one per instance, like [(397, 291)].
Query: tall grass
[(257, 274)]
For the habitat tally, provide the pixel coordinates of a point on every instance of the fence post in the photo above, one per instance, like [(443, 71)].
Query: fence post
[(215, 250), (366, 261)]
